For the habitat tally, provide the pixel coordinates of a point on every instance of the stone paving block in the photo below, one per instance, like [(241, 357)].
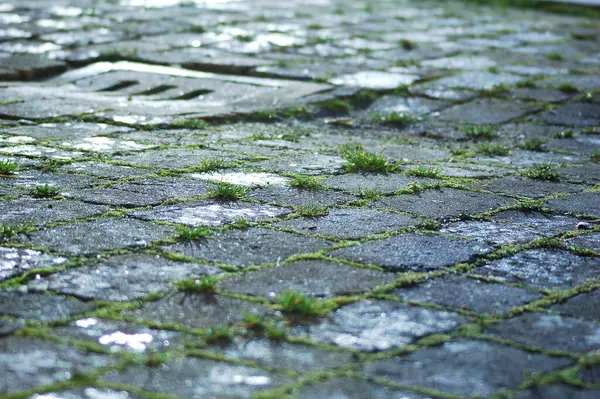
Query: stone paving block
[(590, 374), (466, 368), (414, 251), (541, 95), (518, 158), (528, 187), (494, 233), (8, 325), (16, 261), (255, 246), (590, 173), (176, 158), (573, 114), (88, 393), (478, 80), (299, 197), (104, 170), (197, 311), (63, 182), (445, 203), (313, 277), (586, 145), (543, 224), (543, 268), (311, 164), (583, 203), (586, 305), (242, 178), (487, 111), (99, 235), (121, 278), (26, 363), (40, 307), (63, 131), (468, 294), (119, 336), (281, 355), (350, 223), (591, 242), (385, 184), (197, 377), (346, 388), (377, 325), (40, 212), (549, 331), (211, 213)]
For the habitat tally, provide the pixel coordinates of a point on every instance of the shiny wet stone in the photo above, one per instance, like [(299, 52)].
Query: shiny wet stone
[(357, 183), (350, 223), (17, 261), (312, 277), (121, 278), (468, 294), (196, 310), (211, 213), (62, 131), (466, 368), (88, 393), (445, 203), (550, 332), (543, 223), (41, 211), (414, 251), (478, 80), (377, 325), (242, 248), (197, 377), (311, 164), (99, 235), (543, 268), (26, 363), (494, 233), (40, 307)]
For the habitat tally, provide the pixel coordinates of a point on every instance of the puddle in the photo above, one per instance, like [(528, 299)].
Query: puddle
[(255, 179)]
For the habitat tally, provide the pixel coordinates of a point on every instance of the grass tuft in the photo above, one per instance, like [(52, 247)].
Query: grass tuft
[(541, 172), (306, 183), (359, 160), (478, 132), (394, 118), (311, 210), (299, 303), (192, 233), (493, 149), (45, 191), (533, 144), (425, 171), (567, 88), (7, 168), (227, 191), (203, 285)]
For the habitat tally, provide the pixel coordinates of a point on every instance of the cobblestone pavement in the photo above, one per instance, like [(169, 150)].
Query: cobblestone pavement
[(298, 199)]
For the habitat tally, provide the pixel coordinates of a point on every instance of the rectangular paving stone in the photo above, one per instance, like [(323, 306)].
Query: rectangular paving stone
[(17, 261), (120, 278), (528, 187), (40, 212), (466, 368), (196, 377), (487, 111), (550, 332), (544, 224), (414, 251), (445, 203), (63, 182), (99, 235), (586, 305), (385, 184), (558, 392), (582, 203), (211, 213), (62, 131), (377, 325), (468, 294), (478, 80), (299, 197), (176, 158), (242, 248), (573, 114), (350, 223), (543, 268), (494, 233), (589, 242), (347, 388), (312, 277), (26, 363), (40, 307)]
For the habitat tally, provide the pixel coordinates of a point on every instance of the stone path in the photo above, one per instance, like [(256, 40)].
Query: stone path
[(298, 199)]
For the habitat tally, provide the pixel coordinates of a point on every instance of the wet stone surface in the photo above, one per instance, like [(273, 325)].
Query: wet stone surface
[(236, 199)]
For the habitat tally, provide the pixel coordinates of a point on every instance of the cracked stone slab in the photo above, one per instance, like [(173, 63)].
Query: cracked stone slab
[(16, 261), (26, 363), (385, 184), (242, 248), (197, 377), (414, 251), (468, 294), (118, 336), (487, 111), (582, 203), (585, 305), (42, 211), (40, 307), (282, 355), (377, 325), (313, 277), (120, 278), (543, 268), (99, 235), (445, 203), (211, 213), (350, 223), (466, 368), (528, 187), (550, 332), (346, 388), (197, 311), (299, 197)]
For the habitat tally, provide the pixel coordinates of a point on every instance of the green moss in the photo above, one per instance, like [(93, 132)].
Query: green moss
[(227, 191), (306, 182), (204, 285), (192, 233), (394, 119), (533, 144), (492, 149), (478, 132), (555, 56), (299, 303), (311, 210), (189, 123), (336, 106), (425, 171), (45, 191), (567, 88), (541, 172)]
